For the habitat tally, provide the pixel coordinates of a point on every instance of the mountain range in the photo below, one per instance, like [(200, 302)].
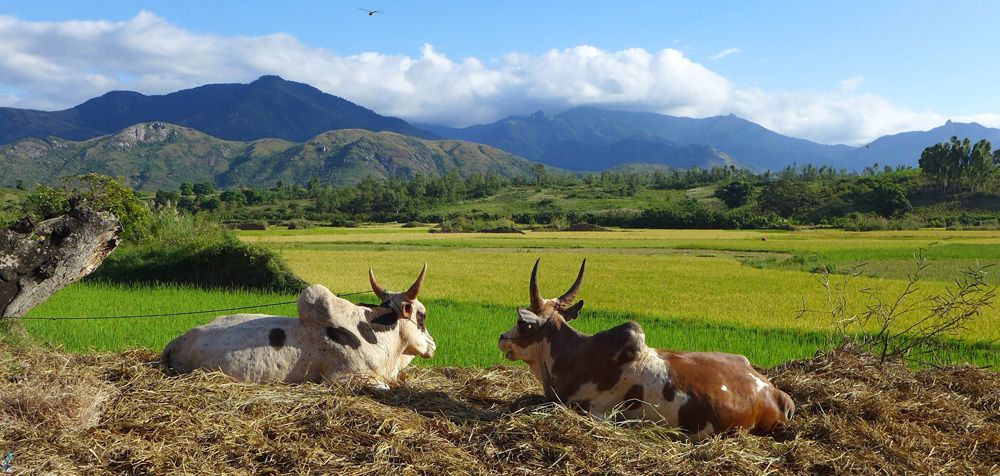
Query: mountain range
[(274, 110), (269, 107), (160, 155)]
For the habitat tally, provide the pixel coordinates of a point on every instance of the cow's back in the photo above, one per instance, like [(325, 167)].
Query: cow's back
[(252, 347), (725, 391)]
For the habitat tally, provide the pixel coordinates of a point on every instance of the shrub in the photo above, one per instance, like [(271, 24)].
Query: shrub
[(299, 224), (735, 194), (252, 225), (191, 250), (96, 191)]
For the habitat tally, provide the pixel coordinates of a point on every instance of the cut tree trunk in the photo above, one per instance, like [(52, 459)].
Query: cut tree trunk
[(38, 260)]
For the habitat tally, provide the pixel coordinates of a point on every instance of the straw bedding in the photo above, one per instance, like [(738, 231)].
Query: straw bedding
[(64, 413)]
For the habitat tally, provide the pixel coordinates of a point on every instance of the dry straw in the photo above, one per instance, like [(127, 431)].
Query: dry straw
[(99, 414)]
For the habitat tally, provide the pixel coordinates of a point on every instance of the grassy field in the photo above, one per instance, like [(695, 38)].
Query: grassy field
[(690, 289)]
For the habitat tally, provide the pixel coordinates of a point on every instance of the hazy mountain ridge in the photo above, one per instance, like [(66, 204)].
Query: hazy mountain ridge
[(160, 155), (558, 139)]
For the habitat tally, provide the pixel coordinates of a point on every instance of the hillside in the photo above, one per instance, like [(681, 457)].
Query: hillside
[(269, 107), (159, 155)]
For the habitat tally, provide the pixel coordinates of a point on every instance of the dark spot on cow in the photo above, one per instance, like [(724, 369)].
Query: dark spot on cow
[(669, 391), (343, 337), (633, 398), (366, 332), (600, 358), (277, 338), (387, 320), (385, 317), (696, 413), (581, 405)]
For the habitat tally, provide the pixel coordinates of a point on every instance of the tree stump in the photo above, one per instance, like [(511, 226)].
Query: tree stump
[(38, 260)]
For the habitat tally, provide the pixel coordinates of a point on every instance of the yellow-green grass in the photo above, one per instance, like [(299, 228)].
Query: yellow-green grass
[(813, 248), (649, 286)]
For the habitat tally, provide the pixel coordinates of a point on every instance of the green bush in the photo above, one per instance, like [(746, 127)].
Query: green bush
[(96, 191), (192, 250), (299, 224)]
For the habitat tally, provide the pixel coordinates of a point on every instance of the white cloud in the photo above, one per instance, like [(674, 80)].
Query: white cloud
[(52, 65), (724, 53), (851, 85)]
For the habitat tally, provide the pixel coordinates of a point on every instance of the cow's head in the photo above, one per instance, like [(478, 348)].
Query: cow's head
[(409, 314), (523, 341)]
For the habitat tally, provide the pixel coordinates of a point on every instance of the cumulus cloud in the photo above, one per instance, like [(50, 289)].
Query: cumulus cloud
[(54, 65), (724, 53)]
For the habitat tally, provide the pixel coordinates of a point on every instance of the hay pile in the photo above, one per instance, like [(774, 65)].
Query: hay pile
[(118, 414)]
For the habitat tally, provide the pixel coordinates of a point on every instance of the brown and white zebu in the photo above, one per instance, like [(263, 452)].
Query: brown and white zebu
[(332, 339), (700, 392)]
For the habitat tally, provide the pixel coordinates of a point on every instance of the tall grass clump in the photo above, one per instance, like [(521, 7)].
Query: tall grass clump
[(193, 250)]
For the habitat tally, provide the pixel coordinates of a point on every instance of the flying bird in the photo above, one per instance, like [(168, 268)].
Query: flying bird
[(370, 12)]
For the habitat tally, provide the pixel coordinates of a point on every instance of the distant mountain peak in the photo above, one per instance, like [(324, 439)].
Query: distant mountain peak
[(267, 78), (540, 116)]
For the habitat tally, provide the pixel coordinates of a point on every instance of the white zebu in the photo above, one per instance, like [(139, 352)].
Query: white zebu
[(332, 339)]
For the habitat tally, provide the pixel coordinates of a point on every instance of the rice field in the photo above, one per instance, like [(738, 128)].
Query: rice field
[(690, 289)]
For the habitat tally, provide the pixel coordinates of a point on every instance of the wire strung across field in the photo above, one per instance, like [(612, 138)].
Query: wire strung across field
[(141, 316)]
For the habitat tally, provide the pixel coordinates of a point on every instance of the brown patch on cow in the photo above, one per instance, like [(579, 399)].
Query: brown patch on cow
[(276, 338), (367, 333), (701, 375), (580, 359), (633, 398), (343, 337)]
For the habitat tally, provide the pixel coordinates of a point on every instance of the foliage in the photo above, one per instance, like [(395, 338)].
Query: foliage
[(734, 194), (111, 194), (96, 191), (45, 202), (884, 197), (788, 198), (959, 164)]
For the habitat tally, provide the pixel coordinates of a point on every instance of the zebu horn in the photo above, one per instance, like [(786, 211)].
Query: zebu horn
[(567, 299), (411, 294), (376, 288), (533, 291)]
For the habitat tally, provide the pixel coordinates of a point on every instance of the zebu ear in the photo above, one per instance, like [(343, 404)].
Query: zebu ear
[(317, 306), (572, 312)]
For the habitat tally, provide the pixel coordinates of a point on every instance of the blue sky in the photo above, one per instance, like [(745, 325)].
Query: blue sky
[(827, 71)]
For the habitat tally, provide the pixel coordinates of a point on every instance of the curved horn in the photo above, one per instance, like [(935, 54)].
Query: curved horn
[(533, 291), (378, 290), (567, 299), (411, 294)]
